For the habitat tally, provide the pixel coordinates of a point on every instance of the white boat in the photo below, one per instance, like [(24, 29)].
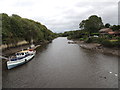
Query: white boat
[(20, 58)]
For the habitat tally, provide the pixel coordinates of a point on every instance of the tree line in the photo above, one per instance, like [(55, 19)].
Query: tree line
[(88, 27), (16, 28), (89, 32)]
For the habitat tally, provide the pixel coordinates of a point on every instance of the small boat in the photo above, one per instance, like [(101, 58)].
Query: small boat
[(20, 58)]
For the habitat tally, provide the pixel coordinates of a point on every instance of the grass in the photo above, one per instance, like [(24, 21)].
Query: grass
[(114, 40)]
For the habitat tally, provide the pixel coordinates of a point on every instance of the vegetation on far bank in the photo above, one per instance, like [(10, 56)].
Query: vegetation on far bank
[(89, 32), (16, 28)]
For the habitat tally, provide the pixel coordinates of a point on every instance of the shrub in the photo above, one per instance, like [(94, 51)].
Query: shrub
[(106, 43), (88, 40), (95, 40), (100, 40), (111, 43), (95, 34), (110, 36), (69, 37), (81, 39), (118, 38)]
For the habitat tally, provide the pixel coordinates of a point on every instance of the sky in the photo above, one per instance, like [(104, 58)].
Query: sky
[(62, 15)]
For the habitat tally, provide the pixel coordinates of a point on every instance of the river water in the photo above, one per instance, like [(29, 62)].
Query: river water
[(63, 65)]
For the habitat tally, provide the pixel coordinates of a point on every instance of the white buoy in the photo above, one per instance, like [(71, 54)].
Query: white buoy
[(110, 72), (116, 75)]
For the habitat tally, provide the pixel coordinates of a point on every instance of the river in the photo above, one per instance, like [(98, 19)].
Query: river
[(63, 65)]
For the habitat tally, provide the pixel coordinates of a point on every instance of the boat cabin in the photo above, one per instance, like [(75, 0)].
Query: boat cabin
[(22, 53)]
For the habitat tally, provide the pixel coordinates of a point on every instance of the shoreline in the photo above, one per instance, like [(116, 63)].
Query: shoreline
[(98, 47), (12, 50)]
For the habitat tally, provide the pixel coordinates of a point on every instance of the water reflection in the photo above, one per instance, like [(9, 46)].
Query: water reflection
[(63, 65)]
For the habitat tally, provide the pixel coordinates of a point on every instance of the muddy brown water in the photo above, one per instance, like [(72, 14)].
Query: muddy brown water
[(63, 65)]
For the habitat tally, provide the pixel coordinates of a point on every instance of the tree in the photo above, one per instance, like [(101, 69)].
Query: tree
[(82, 24), (92, 24), (115, 27), (16, 28), (107, 25)]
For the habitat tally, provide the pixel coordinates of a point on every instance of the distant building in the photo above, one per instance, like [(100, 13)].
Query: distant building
[(115, 33), (105, 30), (109, 31)]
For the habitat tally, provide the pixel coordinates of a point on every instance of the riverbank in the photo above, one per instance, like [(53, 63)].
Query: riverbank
[(20, 43), (60, 65), (12, 50), (98, 47)]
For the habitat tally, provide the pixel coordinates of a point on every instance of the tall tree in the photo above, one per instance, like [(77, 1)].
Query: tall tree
[(107, 25), (115, 27), (92, 24), (16, 28)]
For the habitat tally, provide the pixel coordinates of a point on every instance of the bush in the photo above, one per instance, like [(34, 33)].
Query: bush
[(100, 40), (88, 40), (118, 38), (109, 43), (110, 36), (95, 40), (106, 43), (81, 39), (95, 34), (69, 37)]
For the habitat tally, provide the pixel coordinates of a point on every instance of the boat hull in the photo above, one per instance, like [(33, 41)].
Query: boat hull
[(12, 64)]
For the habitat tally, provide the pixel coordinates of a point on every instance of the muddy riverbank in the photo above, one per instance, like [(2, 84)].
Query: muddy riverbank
[(98, 47), (12, 50)]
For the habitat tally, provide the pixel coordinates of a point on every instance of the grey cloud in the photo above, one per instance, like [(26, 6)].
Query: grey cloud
[(69, 18)]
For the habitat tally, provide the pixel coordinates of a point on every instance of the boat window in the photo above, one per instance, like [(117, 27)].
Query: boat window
[(17, 54), (22, 53)]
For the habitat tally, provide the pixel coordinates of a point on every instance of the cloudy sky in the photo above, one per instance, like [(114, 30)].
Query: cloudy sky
[(62, 15)]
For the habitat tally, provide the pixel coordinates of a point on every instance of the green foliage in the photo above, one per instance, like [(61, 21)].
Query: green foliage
[(15, 29), (75, 34), (89, 28), (94, 40), (69, 37), (81, 39), (88, 40), (107, 25), (109, 43), (92, 25), (106, 43), (95, 34), (118, 38), (115, 27)]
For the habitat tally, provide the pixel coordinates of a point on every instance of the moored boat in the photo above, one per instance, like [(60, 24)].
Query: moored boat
[(20, 58)]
